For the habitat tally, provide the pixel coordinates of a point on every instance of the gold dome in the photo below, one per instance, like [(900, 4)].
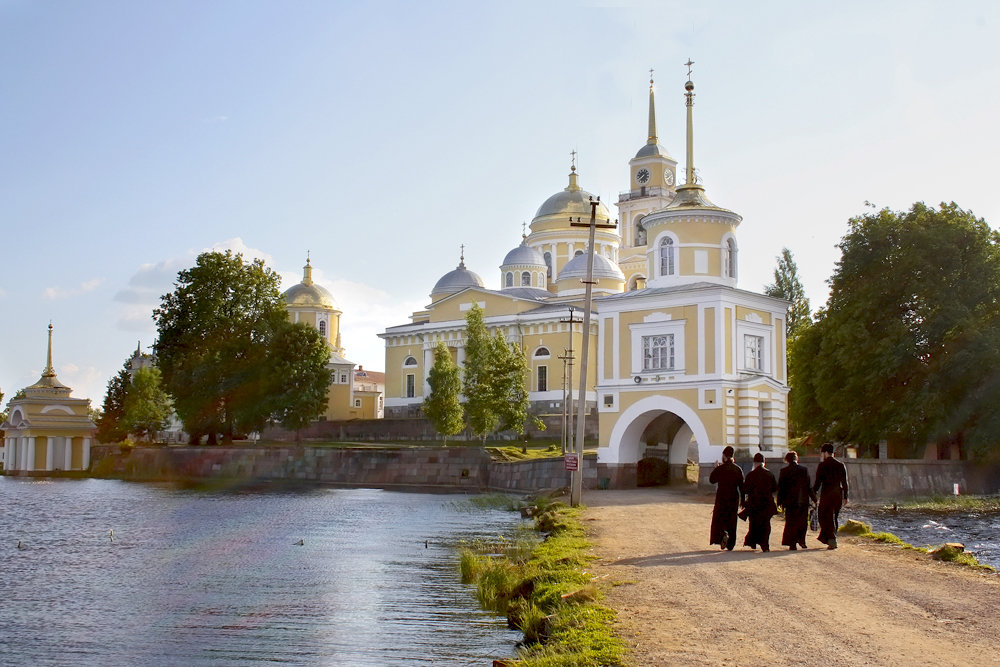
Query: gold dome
[(309, 294), (573, 201)]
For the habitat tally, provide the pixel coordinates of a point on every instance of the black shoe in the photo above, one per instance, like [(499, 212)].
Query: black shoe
[(765, 549), (725, 540), (803, 545), (832, 544), (793, 548)]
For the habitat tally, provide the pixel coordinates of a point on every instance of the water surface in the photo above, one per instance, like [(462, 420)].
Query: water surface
[(215, 578)]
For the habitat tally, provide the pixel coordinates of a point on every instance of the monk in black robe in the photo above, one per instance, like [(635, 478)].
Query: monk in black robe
[(728, 498), (759, 487), (831, 482), (794, 494)]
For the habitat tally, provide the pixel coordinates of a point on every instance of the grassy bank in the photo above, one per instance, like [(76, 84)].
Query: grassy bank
[(951, 504), (539, 581), (946, 552)]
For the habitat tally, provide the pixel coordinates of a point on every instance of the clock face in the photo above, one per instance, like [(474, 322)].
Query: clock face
[(642, 175), (668, 176)]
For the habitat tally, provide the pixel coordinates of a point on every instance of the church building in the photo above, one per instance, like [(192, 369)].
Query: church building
[(46, 429), (683, 362)]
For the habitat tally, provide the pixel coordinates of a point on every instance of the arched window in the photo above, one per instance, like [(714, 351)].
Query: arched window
[(322, 328), (730, 258), (548, 264), (526, 279), (667, 256), (640, 232), (577, 253), (409, 361), (509, 280), (542, 352)]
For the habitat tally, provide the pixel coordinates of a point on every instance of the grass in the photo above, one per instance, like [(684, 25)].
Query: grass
[(944, 552), (952, 503), (499, 501), (543, 587)]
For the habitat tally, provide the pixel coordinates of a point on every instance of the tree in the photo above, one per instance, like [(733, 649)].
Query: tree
[(221, 332), (509, 393), (111, 426), (908, 343), (299, 376), (787, 286), (147, 405), (443, 407), (476, 385)]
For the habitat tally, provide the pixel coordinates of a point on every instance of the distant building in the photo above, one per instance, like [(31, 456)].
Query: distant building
[(46, 429), (369, 394)]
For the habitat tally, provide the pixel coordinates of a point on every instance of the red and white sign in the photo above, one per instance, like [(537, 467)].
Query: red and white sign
[(572, 462)]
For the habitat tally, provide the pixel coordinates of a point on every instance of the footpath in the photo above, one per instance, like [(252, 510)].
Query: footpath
[(682, 602)]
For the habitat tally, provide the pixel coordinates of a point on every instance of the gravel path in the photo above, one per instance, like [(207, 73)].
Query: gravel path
[(681, 602)]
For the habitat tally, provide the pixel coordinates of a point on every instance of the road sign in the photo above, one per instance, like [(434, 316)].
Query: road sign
[(572, 462)]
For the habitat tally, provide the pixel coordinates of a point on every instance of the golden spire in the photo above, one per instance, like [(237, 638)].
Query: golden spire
[(307, 271), (689, 87), (49, 372), (652, 113), (573, 185)]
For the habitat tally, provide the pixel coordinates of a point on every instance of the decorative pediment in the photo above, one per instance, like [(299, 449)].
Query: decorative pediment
[(657, 317), (57, 408), (753, 317)]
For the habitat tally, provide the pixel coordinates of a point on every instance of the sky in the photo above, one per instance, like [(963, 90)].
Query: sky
[(379, 137)]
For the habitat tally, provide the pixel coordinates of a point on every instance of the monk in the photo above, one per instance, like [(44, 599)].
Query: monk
[(728, 498), (831, 482), (794, 494), (759, 487)]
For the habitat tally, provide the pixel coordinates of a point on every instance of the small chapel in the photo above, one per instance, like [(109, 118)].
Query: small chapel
[(683, 361), (47, 430)]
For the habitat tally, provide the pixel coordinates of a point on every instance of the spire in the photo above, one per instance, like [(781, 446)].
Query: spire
[(49, 372), (652, 140), (461, 257), (307, 271), (573, 185), (690, 178)]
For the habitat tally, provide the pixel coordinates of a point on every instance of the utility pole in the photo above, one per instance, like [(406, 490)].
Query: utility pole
[(568, 385), (576, 490)]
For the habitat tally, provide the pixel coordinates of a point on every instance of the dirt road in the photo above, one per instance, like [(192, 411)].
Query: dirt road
[(681, 602)]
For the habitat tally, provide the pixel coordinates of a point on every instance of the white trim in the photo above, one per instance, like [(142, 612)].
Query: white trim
[(56, 408), (665, 327), (631, 423)]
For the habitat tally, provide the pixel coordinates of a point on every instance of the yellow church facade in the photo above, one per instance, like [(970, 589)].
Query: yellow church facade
[(46, 429), (682, 361)]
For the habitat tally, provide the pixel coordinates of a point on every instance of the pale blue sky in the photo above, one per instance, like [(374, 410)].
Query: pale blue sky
[(380, 136)]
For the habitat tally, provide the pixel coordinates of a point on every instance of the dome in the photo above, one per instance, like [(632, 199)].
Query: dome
[(457, 280), (572, 201), (603, 268), (524, 255), (308, 293), (653, 150)]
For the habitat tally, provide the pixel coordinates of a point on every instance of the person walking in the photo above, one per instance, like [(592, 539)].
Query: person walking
[(728, 498), (831, 482), (759, 487), (794, 494)]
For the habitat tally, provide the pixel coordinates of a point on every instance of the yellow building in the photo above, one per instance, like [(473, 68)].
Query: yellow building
[(314, 305), (46, 429), (683, 362)]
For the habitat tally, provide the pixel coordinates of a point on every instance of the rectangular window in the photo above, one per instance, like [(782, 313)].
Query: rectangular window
[(658, 352), (754, 352), (410, 379), (343, 379), (357, 402), (543, 378)]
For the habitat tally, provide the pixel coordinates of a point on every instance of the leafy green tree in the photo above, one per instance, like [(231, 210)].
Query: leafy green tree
[(787, 286), (908, 343), (509, 391), (476, 380), (111, 426), (443, 406), (299, 376), (221, 332), (147, 405)]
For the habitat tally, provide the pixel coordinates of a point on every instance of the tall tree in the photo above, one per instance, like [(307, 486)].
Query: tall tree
[(443, 406), (298, 376), (111, 426), (147, 405), (508, 380), (476, 380), (787, 286), (219, 332), (909, 341)]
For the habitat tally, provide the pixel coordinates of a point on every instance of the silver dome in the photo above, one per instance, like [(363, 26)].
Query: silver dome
[(524, 255), (457, 280), (653, 150), (603, 268)]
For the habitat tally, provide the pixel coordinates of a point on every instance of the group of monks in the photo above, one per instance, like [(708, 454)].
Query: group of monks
[(755, 494)]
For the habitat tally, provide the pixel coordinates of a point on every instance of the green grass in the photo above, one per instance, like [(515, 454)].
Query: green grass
[(944, 552), (544, 589), (952, 503)]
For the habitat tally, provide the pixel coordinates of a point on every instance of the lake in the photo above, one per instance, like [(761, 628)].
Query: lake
[(195, 577)]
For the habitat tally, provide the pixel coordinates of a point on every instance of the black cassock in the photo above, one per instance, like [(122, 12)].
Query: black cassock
[(831, 482), (794, 495), (728, 496), (759, 487)]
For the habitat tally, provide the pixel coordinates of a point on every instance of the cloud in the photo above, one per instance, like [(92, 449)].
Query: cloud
[(55, 293)]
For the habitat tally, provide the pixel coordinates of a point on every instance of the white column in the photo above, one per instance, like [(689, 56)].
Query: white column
[(86, 453), (68, 455), (29, 463), (50, 444), (6, 453), (428, 362)]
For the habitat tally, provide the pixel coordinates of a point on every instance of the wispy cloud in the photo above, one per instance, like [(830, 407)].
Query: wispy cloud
[(55, 293)]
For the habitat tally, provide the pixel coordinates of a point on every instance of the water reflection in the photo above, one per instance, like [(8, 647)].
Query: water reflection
[(196, 577)]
